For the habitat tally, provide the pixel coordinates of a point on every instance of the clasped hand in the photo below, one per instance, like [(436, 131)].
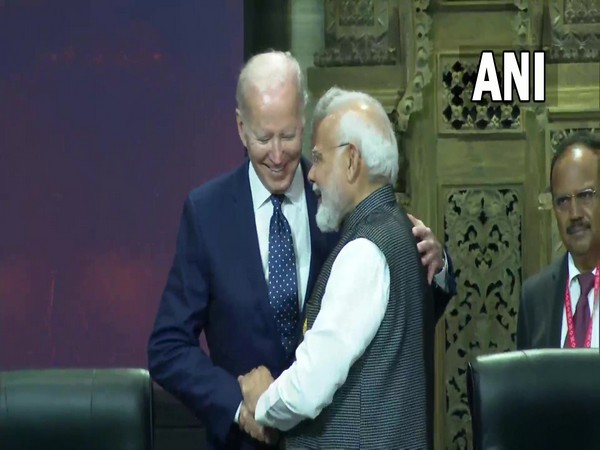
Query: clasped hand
[(253, 385)]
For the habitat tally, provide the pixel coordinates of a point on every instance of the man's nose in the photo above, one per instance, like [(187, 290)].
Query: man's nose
[(311, 174), (575, 211), (276, 153)]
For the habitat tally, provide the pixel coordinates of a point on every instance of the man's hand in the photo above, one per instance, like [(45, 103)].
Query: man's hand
[(429, 247), (253, 385), (248, 425)]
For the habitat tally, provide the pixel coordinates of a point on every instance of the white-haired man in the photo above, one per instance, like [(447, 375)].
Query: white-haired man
[(248, 253), (363, 373)]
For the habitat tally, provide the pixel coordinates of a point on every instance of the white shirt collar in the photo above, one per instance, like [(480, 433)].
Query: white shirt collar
[(261, 195), (573, 270)]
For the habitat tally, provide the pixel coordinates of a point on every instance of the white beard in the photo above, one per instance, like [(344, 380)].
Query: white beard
[(330, 211)]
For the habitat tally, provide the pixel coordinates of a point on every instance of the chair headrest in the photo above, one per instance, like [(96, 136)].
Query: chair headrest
[(535, 399), (76, 409)]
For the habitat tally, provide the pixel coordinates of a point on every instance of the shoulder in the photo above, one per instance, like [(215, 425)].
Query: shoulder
[(389, 225), (214, 191), (538, 283)]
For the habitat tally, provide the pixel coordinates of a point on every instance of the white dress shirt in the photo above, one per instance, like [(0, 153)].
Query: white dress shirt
[(295, 211), (352, 309), (575, 291)]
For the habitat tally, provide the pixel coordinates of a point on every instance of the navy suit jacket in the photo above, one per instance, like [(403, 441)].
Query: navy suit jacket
[(217, 285)]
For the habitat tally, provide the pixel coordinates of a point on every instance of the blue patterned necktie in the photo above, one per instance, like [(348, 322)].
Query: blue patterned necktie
[(283, 284)]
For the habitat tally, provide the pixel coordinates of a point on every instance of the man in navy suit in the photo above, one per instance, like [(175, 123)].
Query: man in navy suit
[(235, 231)]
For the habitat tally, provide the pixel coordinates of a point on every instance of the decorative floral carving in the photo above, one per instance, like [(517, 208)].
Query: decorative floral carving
[(581, 11), (412, 100), (574, 30), (357, 51), (357, 13), (483, 234), (356, 34), (460, 113), (403, 182)]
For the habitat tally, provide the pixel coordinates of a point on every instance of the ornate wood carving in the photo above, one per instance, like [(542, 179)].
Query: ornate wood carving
[(366, 35), (458, 114), (573, 30), (419, 61), (483, 234), (358, 33), (487, 5)]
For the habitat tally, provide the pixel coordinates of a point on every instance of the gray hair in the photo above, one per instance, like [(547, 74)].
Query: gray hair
[(373, 135), (266, 71), (320, 111)]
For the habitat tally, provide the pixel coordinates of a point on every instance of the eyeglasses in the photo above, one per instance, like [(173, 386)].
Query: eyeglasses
[(318, 157), (582, 198)]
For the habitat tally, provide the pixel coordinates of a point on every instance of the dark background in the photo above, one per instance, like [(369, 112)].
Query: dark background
[(110, 112)]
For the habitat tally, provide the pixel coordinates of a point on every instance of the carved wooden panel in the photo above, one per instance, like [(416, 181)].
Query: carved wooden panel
[(574, 30), (359, 33), (482, 229), (457, 114), (381, 47), (476, 4)]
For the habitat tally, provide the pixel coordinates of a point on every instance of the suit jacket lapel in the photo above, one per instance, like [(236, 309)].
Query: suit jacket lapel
[(247, 241), (559, 281)]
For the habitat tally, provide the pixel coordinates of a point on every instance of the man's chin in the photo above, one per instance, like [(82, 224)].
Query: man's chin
[(278, 184)]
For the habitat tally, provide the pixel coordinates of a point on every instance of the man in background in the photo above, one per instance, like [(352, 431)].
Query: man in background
[(363, 373), (559, 306), (247, 256)]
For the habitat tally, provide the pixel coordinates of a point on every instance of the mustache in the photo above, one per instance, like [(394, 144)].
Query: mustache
[(316, 190), (574, 227)]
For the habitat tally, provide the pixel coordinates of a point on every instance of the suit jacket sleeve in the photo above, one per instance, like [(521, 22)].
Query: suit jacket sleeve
[(441, 298), (176, 360)]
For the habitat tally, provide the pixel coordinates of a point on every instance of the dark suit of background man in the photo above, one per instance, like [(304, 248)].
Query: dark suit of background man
[(544, 319), (234, 232)]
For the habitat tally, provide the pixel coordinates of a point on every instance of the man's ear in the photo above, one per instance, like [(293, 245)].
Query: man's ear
[(240, 126), (353, 163)]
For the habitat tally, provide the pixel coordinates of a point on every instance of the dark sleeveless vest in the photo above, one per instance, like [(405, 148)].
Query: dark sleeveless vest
[(387, 399)]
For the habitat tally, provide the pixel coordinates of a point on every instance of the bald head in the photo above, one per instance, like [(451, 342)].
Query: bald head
[(267, 72), (580, 139)]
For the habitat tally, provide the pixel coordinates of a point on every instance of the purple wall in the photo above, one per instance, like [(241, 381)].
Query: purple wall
[(110, 112)]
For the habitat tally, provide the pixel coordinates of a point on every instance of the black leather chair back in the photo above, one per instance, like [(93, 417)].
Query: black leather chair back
[(78, 409), (536, 399)]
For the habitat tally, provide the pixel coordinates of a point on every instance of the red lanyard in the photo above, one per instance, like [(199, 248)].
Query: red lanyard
[(569, 312)]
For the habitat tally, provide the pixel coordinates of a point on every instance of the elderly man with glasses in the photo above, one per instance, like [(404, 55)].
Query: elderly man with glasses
[(559, 306)]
